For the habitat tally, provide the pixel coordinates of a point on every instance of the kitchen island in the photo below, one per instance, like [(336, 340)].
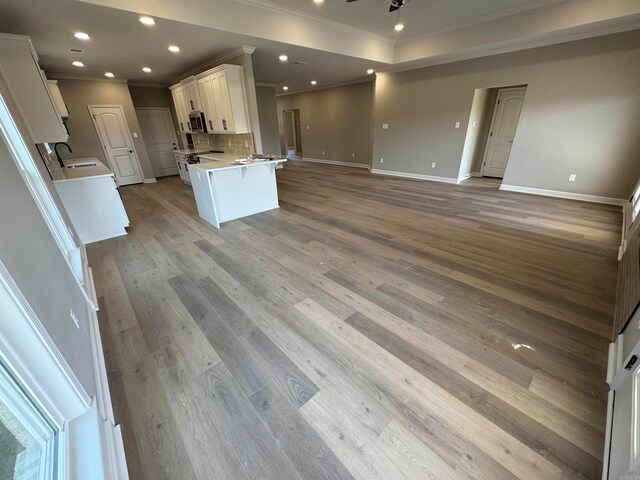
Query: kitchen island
[(227, 188)]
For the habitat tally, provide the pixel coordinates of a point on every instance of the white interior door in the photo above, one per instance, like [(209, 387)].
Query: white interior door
[(157, 129), (624, 461), (503, 129), (290, 130), (117, 143)]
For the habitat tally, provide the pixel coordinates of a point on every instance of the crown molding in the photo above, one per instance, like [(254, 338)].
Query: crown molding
[(332, 85), (214, 62), (147, 84), (261, 84), (66, 76), (279, 9)]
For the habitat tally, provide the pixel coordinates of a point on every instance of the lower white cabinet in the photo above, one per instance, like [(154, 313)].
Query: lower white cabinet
[(94, 207), (183, 168)]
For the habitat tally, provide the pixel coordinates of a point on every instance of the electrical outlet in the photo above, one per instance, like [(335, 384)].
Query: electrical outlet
[(433, 164), (474, 123), (246, 144), (353, 155), (75, 319), (572, 177), (457, 124), (385, 126), (323, 152), (135, 134), (382, 160), (229, 142), (308, 127)]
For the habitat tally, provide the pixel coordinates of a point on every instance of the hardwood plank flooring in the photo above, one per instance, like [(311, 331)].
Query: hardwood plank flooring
[(371, 328)]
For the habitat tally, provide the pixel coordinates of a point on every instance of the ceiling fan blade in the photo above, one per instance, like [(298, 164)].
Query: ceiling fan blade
[(393, 8), (349, 1)]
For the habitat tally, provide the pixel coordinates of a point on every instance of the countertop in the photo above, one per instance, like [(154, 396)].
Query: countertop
[(189, 151), (60, 174), (225, 161)]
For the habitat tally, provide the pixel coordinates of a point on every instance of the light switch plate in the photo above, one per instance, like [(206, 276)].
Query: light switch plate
[(572, 177), (385, 126), (457, 124)]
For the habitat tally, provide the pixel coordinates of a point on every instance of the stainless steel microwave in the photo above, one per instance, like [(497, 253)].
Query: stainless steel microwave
[(196, 119)]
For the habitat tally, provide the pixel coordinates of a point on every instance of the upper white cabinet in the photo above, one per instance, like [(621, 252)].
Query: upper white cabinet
[(58, 101), (191, 95), (220, 94), (179, 101), (19, 64), (227, 109)]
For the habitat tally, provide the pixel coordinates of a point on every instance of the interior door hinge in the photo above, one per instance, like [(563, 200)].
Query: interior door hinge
[(498, 102), (631, 362), (491, 134)]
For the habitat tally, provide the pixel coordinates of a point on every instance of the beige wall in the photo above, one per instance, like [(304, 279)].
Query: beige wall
[(338, 119), (268, 114), (580, 115), (84, 141), (158, 97)]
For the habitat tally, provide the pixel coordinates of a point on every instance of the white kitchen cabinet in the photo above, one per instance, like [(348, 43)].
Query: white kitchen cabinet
[(191, 95), (58, 101), (208, 104), (224, 88), (19, 64), (177, 91)]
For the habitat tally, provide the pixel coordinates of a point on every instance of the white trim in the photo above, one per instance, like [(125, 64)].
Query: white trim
[(335, 162), (69, 76), (214, 62), (569, 195), (368, 78), (34, 357), (607, 435), (417, 176), (469, 175), (150, 180)]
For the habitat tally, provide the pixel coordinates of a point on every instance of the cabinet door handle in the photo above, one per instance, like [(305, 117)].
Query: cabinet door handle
[(130, 151), (224, 124), (181, 126), (210, 124), (192, 107)]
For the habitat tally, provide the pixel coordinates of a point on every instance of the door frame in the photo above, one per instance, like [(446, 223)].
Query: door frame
[(104, 149), (493, 119), (173, 132), (292, 112)]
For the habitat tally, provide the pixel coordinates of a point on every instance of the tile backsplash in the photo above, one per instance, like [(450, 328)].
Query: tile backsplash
[(241, 145)]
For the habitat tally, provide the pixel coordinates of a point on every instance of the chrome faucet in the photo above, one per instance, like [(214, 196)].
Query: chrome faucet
[(55, 149)]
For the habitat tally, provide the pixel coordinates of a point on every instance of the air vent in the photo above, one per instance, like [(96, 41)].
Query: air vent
[(298, 62), (76, 50)]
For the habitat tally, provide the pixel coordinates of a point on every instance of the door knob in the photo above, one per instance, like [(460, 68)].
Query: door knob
[(130, 151)]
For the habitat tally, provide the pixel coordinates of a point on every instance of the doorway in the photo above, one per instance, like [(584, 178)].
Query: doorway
[(292, 132), (504, 123), (159, 137), (113, 132)]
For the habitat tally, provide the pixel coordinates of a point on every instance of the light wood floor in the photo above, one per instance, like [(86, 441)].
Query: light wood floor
[(372, 327)]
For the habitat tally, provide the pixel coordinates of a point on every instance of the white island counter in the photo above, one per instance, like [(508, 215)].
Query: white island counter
[(226, 190)]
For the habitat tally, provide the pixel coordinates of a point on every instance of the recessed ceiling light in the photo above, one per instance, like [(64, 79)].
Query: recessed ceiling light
[(313, 82), (81, 36), (399, 27), (78, 63), (146, 69), (371, 71), (109, 74), (318, 1), (283, 58), (174, 48), (285, 88), (147, 20)]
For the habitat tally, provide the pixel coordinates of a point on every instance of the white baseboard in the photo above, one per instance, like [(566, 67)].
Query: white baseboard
[(416, 176), (469, 175), (571, 196), (150, 180), (335, 162)]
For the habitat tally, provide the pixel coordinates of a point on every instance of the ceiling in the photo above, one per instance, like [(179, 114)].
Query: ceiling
[(419, 16), (122, 45), (336, 41)]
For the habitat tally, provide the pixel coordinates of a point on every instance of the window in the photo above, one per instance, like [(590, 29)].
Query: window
[(28, 439)]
